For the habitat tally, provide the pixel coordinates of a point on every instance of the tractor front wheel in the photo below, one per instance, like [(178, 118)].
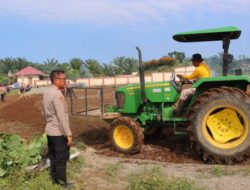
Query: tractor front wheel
[(126, 135), (219, 124)]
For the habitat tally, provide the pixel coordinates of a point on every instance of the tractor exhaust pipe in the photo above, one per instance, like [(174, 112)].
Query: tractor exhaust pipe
[(142, 79)]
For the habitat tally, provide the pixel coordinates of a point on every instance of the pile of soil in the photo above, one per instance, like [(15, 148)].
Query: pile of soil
[(25, 110)]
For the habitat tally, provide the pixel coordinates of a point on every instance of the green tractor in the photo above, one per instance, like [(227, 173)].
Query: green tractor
[(216, 118)]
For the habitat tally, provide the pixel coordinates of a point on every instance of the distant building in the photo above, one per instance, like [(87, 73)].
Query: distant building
[(29, 75)]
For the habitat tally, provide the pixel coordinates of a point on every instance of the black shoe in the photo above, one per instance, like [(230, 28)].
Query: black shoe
[(61, 174), (68, 185)]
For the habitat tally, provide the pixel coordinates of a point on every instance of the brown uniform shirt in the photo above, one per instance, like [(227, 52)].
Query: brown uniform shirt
[(55, 113)]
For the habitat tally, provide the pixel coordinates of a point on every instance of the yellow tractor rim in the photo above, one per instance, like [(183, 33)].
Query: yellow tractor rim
[(225, 127), (123, 137)]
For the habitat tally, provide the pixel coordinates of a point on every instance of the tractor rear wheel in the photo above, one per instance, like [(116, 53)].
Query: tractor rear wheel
[(126, 135), (219, 124)]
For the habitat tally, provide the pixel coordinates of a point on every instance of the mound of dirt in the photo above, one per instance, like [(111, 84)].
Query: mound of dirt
[(25, 110)]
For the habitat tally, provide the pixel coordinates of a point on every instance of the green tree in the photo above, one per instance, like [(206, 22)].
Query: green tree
[(125, 65), (66, 68), (215, 62), (109, 70), (84, 72), (3, 79), (7, 64), (52, 61), (21, 63), (50, 65), (242, 63), (179, 56), (94, 67), (133, 65), (76, 63)]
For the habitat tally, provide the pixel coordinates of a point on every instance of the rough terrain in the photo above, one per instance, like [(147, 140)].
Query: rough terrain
[(23, 116)]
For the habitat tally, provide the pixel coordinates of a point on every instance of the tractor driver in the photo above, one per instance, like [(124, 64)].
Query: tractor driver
[(202, 71)]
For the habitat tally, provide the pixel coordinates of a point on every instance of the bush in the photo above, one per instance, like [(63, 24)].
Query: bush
[(4, 79), (15, 153), (169, 61)]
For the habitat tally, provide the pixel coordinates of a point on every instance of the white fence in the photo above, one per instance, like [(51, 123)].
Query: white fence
[(39, 83), (124, 79), (133, 79)]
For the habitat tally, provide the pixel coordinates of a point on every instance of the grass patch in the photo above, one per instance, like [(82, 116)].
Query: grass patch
[(74, 166), (13, 92), (112, 170), (74, 171), (246, 172), (218, 171), (153, 179), (21, 180), (80, 145), (40, 180)]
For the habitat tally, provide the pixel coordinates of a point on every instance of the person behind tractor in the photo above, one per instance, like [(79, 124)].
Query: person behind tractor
[(202, 71), (57, 129), (3, 91), (22, 88)]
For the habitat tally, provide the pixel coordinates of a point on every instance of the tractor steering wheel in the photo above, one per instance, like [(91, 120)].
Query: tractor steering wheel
[(184, 81), (175, 84)]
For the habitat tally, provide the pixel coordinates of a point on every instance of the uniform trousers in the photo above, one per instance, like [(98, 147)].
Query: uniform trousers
[(58, 155)]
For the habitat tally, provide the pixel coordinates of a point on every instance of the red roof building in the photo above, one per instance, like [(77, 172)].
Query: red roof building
[(29, 71), (29, 76)]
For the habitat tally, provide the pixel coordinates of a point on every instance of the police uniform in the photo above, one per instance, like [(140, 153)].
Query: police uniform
[(57, 129)]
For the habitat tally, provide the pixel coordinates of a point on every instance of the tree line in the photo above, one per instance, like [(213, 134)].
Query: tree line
[(73, 69), (77, 67)]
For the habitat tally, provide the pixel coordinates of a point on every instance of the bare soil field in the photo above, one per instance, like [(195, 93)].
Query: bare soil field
[(173, 154)]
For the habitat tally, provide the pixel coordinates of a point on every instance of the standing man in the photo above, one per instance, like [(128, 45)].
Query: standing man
[(3, 91), (202, 71), (57, 127)]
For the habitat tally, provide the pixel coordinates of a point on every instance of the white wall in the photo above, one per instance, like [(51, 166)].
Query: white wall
[(42, 83), (126, 79), (24, 80)]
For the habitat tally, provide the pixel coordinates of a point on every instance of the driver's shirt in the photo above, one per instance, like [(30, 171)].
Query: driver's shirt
[(202, 71)]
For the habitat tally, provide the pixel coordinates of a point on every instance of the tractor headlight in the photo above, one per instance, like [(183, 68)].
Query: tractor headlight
[(120, 98)]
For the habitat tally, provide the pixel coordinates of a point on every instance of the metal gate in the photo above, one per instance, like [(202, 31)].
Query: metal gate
[(90, 100)]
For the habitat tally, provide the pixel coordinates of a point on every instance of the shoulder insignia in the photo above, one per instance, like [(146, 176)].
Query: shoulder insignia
[(61, 98)]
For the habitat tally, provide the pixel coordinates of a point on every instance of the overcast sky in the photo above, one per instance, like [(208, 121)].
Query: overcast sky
[(104, 29)]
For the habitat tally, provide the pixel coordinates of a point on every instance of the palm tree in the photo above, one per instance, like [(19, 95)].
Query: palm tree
[(125, 65), (76, 63), (94, 67), (109, 70), (66, 68), (7, 64), (133, 65), (50, 65), (21, 63), (51, 62)]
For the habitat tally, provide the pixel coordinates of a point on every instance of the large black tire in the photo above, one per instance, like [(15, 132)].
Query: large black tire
[(126, 135), (202, 139)]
